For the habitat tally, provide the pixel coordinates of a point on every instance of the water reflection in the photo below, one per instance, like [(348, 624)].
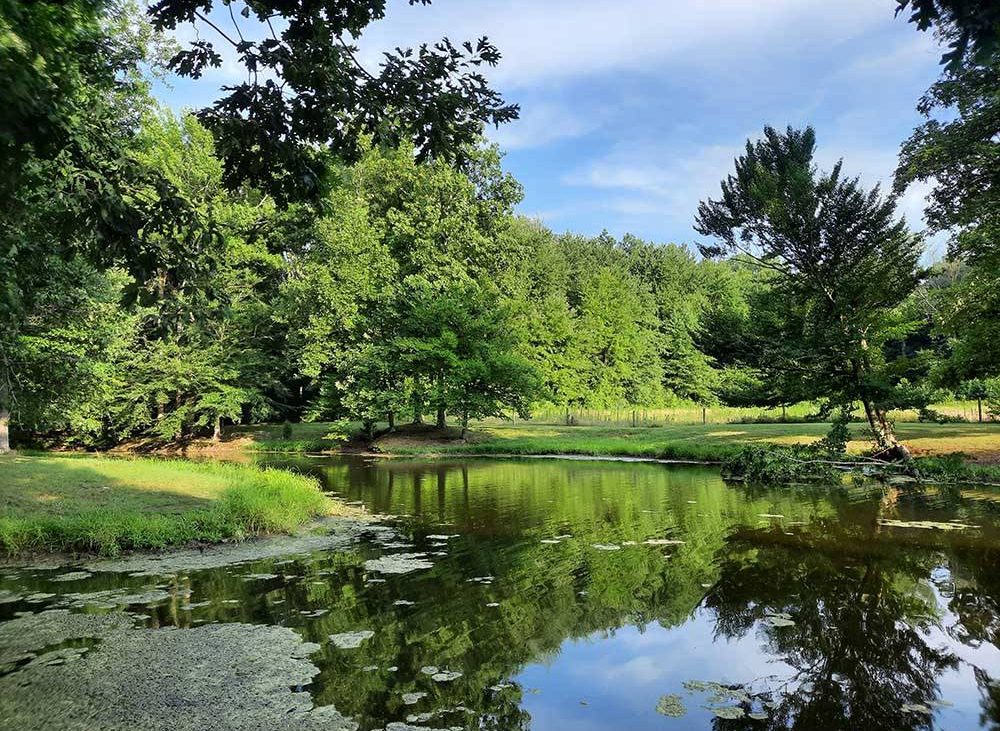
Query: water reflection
[(576, 594)]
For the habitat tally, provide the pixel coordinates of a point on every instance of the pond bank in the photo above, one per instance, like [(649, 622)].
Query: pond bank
[(695, 442), (106, 505)]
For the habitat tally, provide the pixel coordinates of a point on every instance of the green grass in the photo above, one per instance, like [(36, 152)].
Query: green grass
[(713, 442), (692, 413), (305, 437), (106, 505)]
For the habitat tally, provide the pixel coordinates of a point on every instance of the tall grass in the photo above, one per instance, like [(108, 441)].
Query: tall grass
[(692, 413), (248, 501)]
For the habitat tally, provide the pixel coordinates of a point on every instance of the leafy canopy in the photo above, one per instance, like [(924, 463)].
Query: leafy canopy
[(306, 93)]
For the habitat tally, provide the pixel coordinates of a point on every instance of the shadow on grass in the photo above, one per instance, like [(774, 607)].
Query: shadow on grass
[(55, 504)]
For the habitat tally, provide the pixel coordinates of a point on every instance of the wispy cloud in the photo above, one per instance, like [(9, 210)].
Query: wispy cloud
[(543, 122), (560, 39)]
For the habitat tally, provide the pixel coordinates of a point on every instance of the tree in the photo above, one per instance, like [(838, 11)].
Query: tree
[(843, 263), (545, 322), (392, 219), (971, 27), (960, 153), (61, 374), (673, 278), (461, 343), (617, 341), (74, 185), (307, 95)]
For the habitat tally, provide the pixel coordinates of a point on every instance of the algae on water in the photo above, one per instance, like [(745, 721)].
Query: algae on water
[(351, 640), (670, 706), (246, 685)]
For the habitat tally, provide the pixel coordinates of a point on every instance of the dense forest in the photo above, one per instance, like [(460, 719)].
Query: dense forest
[(164, 274)]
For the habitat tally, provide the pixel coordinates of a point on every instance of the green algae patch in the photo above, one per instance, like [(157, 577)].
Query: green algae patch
[(398, 563), (327, 534), (240, 676), (671, 706), (351, 640), (107, 505)]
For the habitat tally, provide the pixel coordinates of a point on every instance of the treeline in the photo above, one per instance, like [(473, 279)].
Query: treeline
[(407, 289), (158, 282)]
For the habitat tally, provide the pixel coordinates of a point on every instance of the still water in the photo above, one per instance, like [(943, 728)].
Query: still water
[(558, 594)]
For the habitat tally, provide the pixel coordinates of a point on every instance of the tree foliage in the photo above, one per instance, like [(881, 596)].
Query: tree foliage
[(970, 27), (843, 264), (957, 148), (307, 97)]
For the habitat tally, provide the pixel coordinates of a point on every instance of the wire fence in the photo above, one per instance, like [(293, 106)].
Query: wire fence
[(697, 414)]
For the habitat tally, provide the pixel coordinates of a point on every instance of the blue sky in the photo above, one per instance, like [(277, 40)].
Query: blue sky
[(631, 112)]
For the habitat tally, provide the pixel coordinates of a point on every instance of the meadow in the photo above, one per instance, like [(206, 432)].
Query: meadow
[(106, 505)]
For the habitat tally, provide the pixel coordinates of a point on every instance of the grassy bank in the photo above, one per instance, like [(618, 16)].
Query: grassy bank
[(710, 442), (106, 505)]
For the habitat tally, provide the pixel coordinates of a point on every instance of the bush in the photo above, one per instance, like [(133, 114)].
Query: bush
[(930, 416), (956, 468), (772, 463)]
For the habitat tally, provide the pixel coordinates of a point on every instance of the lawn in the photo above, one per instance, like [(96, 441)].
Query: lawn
[(980, 442), (105, 505)]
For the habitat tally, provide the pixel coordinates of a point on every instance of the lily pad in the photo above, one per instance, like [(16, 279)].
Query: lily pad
[(729, 712), (776, 620), (925, 524), (670, 706), (351, 640), (398, 563), (73, 576), (440, 674)]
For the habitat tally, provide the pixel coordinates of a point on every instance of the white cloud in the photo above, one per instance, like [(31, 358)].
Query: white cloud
[(919, 50), (558, 39), (666, 182), (543, 122), (658, 181)]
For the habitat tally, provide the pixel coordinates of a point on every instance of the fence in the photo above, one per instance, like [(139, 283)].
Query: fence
[(696, 414)]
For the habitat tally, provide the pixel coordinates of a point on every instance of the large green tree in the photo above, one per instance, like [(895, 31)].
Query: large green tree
[(68, 183), (957, 149), (460, 342), (843, 263), (306, 94)]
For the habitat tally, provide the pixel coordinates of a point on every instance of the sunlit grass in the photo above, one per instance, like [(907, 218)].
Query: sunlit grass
[(105, 505), (705, 442)]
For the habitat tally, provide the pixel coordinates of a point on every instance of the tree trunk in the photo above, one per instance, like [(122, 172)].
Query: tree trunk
[(439, 397), (465, 423), (979, 403), (4, 430), (217, 429), (392, 420), (889, 447), (418, 414), (4, 417)]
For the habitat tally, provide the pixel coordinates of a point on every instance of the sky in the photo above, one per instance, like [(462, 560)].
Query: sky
[(632, 111)]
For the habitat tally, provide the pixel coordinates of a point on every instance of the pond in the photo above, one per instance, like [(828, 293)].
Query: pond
[(541, 594)]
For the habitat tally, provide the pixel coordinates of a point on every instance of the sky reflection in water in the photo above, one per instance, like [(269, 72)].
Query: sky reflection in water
[(808, 611)]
